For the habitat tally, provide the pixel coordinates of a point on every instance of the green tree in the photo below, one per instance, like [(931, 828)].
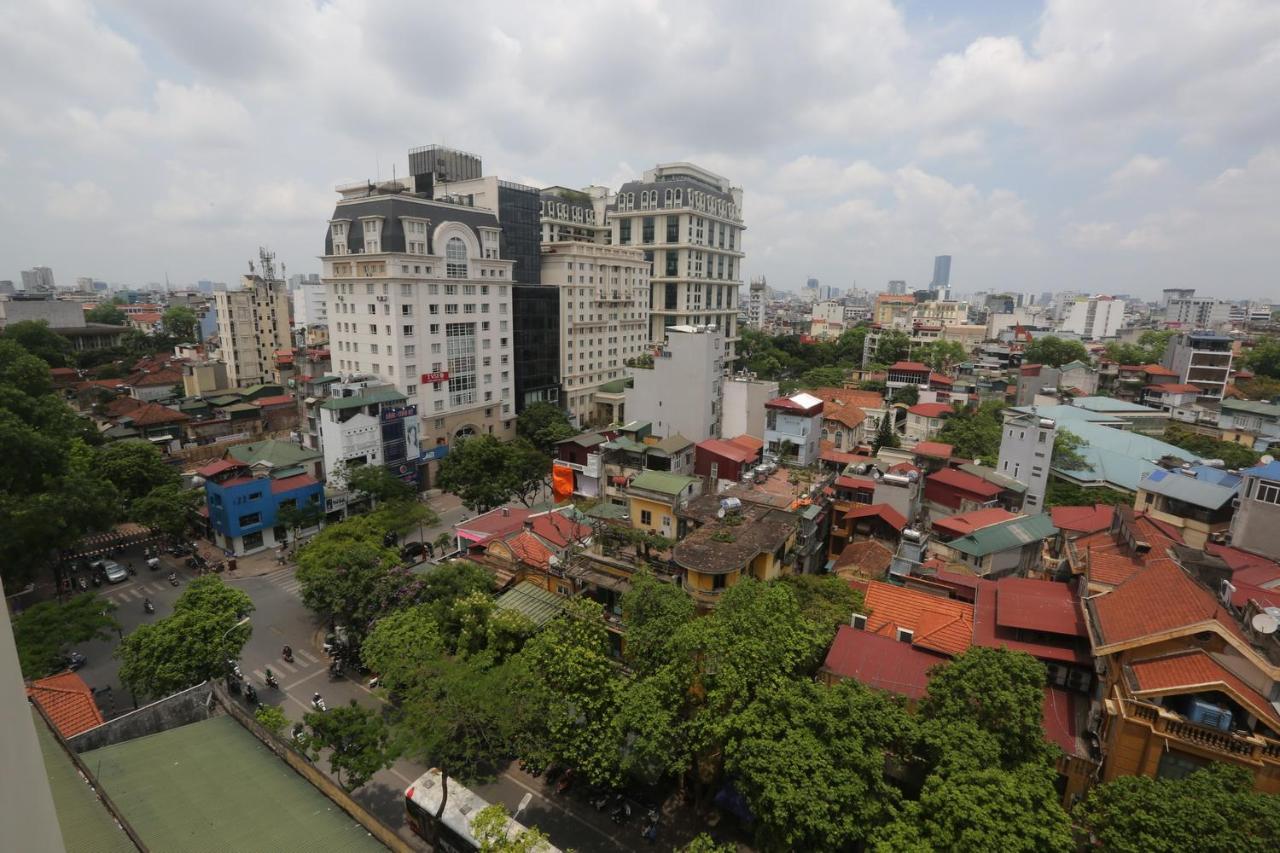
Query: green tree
[(1064, 493), (543, 424), (45, 632), (1066, 451), (167, 508), (357, 739), (825, 600), (810, 761), (106, 313), (981, 809), (190, 646), (1214, 808), (349, 583), (1232, 455), (703, 843), (180, 322), (376, 482), (908, 395), (37, 338), (1263, 358), (447, 584), (999, 690), (134, 468), (975, 434), (652, 611), (893, 346), (942, 355), (1054, 351), (486, 473), (296, 517), (824, 377), (271, 718), (886, 435), (1259, 388), (490, 828), (399, 643)]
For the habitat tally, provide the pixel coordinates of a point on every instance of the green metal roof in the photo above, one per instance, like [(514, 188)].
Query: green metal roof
[(275, 452), (1269, 410), (663, 482), (994, 477), (85, 822), (627, 444), (368, 397), (225, 400), (533, 602), (604, 509), (324, 379), (212, 786), (1004, 536), (617, 386), (242, 407), (673, 444), (265, 389)]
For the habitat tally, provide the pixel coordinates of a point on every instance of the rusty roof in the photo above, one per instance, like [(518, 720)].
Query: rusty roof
[(68, 702), (937, 624)]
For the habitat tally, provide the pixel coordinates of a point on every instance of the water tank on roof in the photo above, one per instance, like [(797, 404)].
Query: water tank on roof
[(911, 534), (896, 479), (861, 470), (730, 504)]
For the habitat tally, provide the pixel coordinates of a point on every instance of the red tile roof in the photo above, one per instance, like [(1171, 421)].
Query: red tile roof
[(214, 468), (793, 404), (958, 479), (555, 528), (1194, 671), (1155, 370), (1238, 559), (727, 449), (1161, 598), (895, 519), (278, 400), (880, 662), (68, 702), (151, 414), (1082, 519), (847, 482), (1174, 388), (967, 522), (938, 624), (1007, 608), (940, 379), (930, 410), (933, 449), (153, 378), (840, 457), (288, 484), (866, 558), (530, 549), (497, 522), (914, 366)]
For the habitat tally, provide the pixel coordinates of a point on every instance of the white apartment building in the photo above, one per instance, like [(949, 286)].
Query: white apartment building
[(1197, 312), (309, 305), (418, 296), (681, 392), (1093, 317), (793, 429), (253, 322), (941, 312), (350, 423), (826, 319), (604, 316), (688, 222), (574, 215), (1026, 454), (758, 295), (744, 397)]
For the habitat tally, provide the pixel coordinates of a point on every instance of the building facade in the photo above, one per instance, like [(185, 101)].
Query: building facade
[(420, 297), (603, 316), (1026, 452), (309, 306), (1202, 359), (253, 322), (793, 429), (680, 389), (688, 222), (1093, 317), (758, 295), (1197, 312)]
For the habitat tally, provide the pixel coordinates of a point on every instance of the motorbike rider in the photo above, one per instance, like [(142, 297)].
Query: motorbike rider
[(147, 606), (287, 653), (271, 679)]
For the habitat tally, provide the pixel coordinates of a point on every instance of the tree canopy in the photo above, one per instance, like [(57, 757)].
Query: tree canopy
[(1054, 351), (543, 424), (45, 632), (1232, 455), (1064, 493), (376, 482), (486, 473), (106, 313), (37, 338), (167, 508), (180, 322), (357, 740), (1263, 358), (1148, 350), (975, 434), (134, 468)]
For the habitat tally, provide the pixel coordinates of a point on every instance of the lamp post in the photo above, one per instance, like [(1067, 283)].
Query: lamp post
[(227, 633)]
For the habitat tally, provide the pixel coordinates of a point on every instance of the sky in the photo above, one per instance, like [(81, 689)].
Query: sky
[(1116, 147)]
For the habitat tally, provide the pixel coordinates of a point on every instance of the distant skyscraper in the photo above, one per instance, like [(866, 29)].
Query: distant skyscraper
[(811, 284), (897, 288), (37, 278), (941, 273)]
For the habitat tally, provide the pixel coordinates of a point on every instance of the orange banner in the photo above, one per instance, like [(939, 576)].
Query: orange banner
[(561, 482)]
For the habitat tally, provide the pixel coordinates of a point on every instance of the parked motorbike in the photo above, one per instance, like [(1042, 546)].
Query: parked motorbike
[(335, 670), (173, 578), (272, 681), (148, 607), (600, 801), (97, 579), (317, 702), (650, 829), (82, 584), (234, 666), (566, 781), (132, 570), (621, 811), (250, 694), (233, 684)]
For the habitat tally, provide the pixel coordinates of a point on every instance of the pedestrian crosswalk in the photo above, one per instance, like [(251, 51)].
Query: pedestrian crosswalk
[(136, 591), (302, 661), (284, 579)]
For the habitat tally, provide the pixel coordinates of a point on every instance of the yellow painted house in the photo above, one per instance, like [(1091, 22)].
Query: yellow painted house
[(653, 498)]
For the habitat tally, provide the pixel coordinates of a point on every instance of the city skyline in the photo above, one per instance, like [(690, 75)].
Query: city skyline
[(1036, 145)]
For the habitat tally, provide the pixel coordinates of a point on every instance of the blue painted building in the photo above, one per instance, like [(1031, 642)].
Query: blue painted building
[(244, 504)]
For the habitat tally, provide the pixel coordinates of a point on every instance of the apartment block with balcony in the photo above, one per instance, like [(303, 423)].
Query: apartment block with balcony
[(253, 322), (1197, 500), (793, 429), (688, 222), (1202, 359), (677, 388)]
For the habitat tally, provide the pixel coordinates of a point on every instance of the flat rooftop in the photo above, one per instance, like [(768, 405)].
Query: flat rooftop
[(212, 786)]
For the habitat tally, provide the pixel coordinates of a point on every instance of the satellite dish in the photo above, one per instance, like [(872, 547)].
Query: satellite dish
[(1267, 459), (720, 513), (1265, 623)]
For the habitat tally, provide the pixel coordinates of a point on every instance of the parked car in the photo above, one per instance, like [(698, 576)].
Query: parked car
[(413, 552), (75, 660), (114, 572)]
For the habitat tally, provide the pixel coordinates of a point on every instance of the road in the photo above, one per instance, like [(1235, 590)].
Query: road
[(279, 617)]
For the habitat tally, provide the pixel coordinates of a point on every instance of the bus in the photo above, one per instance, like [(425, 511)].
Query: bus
[(453, 829)]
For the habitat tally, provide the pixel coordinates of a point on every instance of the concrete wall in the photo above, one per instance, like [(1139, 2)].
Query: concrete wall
[(189, 706), (57, 313), (1256, 524), (744, 406)]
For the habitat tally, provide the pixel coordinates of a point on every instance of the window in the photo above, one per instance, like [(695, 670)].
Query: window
[(455, 254), (406, 310), (905, 636), (410, 349), (646, 517), (859, 621), (408, 330), (410, 390), (251, 519), (1268, 492)]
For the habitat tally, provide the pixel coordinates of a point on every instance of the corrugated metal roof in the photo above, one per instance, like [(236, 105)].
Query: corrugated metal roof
[(366, 397), (1187, 489), (532, 602), (993, 476), (1004, 536), (662, 482)]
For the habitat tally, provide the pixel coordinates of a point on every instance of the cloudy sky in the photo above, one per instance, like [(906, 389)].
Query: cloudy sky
[(1102, 146)]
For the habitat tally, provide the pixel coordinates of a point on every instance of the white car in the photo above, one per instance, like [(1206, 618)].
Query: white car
[(114, 572)]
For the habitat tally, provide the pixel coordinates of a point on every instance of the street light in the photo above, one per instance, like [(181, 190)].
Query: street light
[(244, 621)]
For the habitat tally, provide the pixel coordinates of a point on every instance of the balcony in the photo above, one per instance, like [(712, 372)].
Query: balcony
[(702, 597), (1255, 750)]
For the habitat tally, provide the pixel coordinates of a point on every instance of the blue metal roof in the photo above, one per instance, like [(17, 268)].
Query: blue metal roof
[(1271, 470), (1188, 489)]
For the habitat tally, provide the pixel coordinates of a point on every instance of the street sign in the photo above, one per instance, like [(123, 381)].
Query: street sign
[(442, 376)]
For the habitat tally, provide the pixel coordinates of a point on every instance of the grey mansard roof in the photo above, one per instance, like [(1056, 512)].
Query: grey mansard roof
[(391, 208)]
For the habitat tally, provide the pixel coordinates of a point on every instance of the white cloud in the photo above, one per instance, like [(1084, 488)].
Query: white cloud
[(83, 201), (1140, 167)]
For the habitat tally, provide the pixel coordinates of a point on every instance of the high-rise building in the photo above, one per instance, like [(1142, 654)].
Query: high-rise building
[(941, 273), (1093, 317), (1171, 293), (1202, 359), (1197, 312), (37, 278), (680, 392), (688, 222), (309, 305), (755, 304), (897, 287), (253, 322), (603, 316), (419, 294)]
